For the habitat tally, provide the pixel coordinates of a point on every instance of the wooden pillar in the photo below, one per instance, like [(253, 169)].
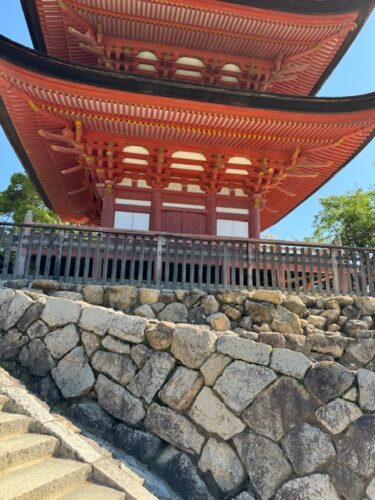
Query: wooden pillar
[(254, 217), (211, 214), (156, 210), (107, 194)]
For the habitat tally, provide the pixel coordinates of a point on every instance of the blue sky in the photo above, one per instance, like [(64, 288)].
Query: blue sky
[(354, 75)]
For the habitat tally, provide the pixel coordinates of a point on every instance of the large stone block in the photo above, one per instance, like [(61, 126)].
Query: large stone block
[(122, 297), (95, 319), (174, 312), (179, 471), (118, 366), (11, 344), (366, 305), (144, 311), (61, 341), (273, 296), (92, 417), (218, 322), (223, 463), (328, 380), (244, 349), (140, 353), (370, 491), (152, 376), (234, 297), (37, 330), (319, 322), (337, 415), (93, 294), (12, 308), (192, 345), (181, 388), (118, 402), (36, 358), (347, 484), (264, 461), (31, 315), (129, 328), (210, 305), (279, 408), (295, 305), (214, 367), (356, 449), (140, 444), (241, 382), (291, 363), (308, 448), (361, 352), (366, 384), (148, 295), (314, 487), (159, 335), (73, 374), (60, 312), (327, 344), (91, 342), (284, 321), (115, 345), (260, 312), (174, 428), (211, 414)]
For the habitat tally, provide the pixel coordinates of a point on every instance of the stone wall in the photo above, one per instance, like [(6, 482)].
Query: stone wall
[(219, 413)]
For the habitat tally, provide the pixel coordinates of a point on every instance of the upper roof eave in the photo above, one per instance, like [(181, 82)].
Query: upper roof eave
[(308, 7), (49, 66)]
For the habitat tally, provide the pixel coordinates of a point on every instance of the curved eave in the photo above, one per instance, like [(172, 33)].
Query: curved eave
[(47, 71), (49, 66), (17, 145), (307, 7)]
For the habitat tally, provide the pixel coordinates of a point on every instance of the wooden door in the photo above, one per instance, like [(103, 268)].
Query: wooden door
[(178, 221)]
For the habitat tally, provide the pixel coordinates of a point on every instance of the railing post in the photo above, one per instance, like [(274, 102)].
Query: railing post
[(19, 267), (335, 274), (159, 260)]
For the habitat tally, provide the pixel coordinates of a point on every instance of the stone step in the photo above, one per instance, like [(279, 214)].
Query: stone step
[(12, 423), (90, 491), (17, 449), (46, 479), (4, 400)]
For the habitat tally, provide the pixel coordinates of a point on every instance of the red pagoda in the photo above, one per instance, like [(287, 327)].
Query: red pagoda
[(187, 117)]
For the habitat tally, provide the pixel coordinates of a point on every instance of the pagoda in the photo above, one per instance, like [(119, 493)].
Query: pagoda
[(184, 117)]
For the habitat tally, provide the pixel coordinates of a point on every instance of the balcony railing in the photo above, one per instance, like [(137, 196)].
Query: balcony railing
[(107, 256)]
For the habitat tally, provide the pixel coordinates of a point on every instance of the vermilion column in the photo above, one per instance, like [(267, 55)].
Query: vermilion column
[(211, 215), (254, 217), (156, 211), (107, 194)]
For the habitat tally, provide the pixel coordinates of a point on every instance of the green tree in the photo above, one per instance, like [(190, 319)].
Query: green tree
[(21, 196), (350, 216)]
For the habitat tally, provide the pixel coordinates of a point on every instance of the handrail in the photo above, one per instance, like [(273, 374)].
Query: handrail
[(96, 229), (79, 254)]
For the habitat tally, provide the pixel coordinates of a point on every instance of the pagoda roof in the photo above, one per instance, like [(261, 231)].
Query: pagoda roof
[(297, 43), (295, 144)]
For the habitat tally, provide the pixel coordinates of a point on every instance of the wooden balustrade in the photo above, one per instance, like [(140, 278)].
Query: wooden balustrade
[(107, 256)]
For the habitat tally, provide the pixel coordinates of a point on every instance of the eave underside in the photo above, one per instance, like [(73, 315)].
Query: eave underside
[(308, 38), (293, 145)]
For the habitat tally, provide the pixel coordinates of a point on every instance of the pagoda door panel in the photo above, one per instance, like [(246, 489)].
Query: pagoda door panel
[(172, 222), (195, 223), (184, 222)]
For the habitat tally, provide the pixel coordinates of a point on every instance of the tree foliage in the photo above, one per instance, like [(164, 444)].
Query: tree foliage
[(21, 196), (350, 216)]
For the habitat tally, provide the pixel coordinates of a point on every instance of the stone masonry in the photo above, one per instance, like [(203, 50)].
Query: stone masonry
[(280, 406)]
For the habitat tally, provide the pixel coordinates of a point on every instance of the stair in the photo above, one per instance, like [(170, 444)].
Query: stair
[(30, 469)]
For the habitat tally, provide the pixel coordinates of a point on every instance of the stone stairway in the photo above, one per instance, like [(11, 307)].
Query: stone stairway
[(30, 468)]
